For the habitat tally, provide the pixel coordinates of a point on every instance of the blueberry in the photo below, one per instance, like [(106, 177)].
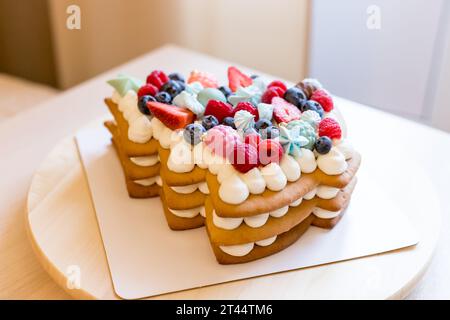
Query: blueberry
[(320, 110), (182, 85), (225, 90), (323, 145), (309, 105), (254, 76), (163, 97), (271, 132), (142, 103), (193, 132), (176, 76), (229, 121), (262, 124), (209, 122), (295, 96), (172, 87)]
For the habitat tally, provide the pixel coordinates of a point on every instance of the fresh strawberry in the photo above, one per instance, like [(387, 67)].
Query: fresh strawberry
[(218, 109), (221, 140), (244, 157), (270, 93), (324, 99), (284, 111), (147, 89), (237, 79), (157, 78), (253, 139), (330, 128), (247, 106), (206, 79), (269, 150), (278, 84), (173, 117)]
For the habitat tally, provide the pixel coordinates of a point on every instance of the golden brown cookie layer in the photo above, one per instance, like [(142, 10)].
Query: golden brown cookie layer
[(177, 223), (181, 201)]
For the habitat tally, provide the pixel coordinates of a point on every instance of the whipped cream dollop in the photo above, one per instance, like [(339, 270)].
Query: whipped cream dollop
[(233, 190), (307, 161), (332, 163), (345, 147), (273, 175), (241, 250), (296, 203), (149, 181), (254, 180), (290, 168), (189, 213), (180, 158), (325, 214), (145, 161), (310, 194), (326, 192)]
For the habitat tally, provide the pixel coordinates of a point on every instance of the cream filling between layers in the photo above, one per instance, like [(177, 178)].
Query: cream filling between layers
[(189, 213), (149, 181), (241, 250), (191, 188), (145, 161)]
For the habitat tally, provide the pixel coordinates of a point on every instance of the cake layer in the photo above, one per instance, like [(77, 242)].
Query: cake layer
[(176, 200), (273, 200), (183, 220)]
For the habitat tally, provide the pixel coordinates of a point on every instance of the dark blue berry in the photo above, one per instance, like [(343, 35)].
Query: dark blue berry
[(295, 96), (172, 87), (271, 132), (229, 121), (262, 124), (254, 76), (209, 122), (193, 132), (310, 105), (225, 90), (320, 110), (163, 97), (182, 85), (142, 103), (176, 76), (323, 145)]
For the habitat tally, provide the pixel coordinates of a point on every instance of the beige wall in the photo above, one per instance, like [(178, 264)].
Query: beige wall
[(264, 34)]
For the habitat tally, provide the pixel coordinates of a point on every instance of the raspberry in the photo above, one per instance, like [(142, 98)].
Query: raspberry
[(218, 109), (253, 139), (270, 93), (157, 78), (284, 111), (324, 99), (147, 89), (330, 128), (247, 106), (269, 151), (221, 140), (244, 157), (206, 79), (279, 84)]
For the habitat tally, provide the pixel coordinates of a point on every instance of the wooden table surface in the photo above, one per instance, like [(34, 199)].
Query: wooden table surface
[(26, 139)]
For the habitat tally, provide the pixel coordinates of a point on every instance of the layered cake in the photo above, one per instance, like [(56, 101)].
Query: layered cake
[(255, 162)]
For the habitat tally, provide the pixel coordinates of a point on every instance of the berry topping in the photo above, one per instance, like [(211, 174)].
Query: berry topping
[(209, 122), (330, 128), (163, 97), (324, 99), (225, 90), (237, 79), (254, 76), (284, 111), (218, 109), (295, 96), (247, 106), (177, 77), (271, 93), (262, 124), (147, 89), (221, 140), (229, 121), (279, 84), (157, 78), (323, 145), (271, 132), (253, 139), (193, 132), (172, 116), (308, 86), (172, 87), (269, 151), (206, 79), (244, 157), (310, 105), (142, 104)]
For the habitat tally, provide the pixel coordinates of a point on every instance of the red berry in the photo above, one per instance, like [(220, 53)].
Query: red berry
[(147, 89), (330, 128), (244, 157), (253, 139), (247, 106), (218, 109), (157, 78), (279, 84), (271, 93), (237, 79), (173, 117), (206, 79), (284, 111), (324, 99), (269, 151)]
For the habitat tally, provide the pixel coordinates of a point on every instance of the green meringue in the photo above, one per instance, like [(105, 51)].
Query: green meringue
[(304, 129), (123, 83)]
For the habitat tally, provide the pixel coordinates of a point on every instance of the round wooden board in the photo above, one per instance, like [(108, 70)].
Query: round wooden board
[(63, 230)]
